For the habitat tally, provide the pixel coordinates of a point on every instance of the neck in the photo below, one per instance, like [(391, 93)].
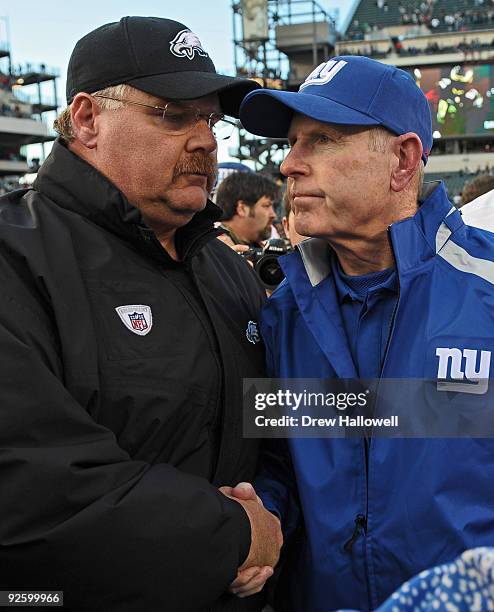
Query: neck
[(237, 230), (364, 258), (167, 241), (372, 252)]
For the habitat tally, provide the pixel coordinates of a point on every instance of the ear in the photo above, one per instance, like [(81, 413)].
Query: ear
[(408, 151), (83, 113), (242, 209), (285, 223)]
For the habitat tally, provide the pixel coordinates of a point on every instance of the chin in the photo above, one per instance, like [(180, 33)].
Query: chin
[(195, 198)]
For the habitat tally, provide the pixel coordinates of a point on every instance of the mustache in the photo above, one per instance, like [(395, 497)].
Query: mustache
[(197, 163)]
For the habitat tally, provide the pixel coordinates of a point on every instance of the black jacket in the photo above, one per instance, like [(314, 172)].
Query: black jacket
[(109, 440)]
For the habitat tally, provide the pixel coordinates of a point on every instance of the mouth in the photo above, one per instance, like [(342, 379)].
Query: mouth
[(300, 200), (306, 194), (197, 179)]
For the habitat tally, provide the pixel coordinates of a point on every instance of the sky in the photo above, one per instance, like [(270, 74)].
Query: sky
[(46, 31)]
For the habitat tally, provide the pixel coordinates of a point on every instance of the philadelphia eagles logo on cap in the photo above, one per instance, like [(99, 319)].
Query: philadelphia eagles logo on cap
[(187, 44)]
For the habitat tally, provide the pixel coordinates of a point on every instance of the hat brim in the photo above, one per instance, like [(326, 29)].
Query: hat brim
[(191, 84), (270, 112)]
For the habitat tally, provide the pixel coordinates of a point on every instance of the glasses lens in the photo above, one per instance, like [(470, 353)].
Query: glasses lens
[(178, 120), (223, 129)]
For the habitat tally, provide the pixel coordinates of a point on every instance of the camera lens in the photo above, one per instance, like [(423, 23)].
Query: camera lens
[(269, 272)]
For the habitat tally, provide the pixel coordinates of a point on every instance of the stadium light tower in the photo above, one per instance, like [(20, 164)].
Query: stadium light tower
[(278, 43)]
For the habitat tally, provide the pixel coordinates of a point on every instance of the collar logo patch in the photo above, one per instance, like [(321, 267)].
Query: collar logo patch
[(252, 332), (187, 44), (136, 317)]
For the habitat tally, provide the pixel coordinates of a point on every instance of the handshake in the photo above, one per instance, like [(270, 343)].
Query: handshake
[(266, 541)]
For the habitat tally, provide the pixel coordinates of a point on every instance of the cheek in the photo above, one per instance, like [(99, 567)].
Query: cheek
[(348, 168)]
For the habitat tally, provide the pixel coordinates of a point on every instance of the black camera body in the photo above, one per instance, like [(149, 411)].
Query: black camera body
[(266, 264)]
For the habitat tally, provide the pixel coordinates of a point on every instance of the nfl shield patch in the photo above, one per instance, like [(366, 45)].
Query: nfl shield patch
[(136, 317)]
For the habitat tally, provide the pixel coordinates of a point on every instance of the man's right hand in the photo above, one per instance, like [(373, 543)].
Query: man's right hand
[(266, 537)]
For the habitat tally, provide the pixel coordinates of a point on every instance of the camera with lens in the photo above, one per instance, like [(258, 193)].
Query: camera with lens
[(265, 262)]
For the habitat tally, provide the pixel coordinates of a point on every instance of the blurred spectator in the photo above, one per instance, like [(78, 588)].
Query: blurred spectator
[(247, 200), (227, 168), (445, 588), (480, 212), (289, 222), (9, 183), (477, 187)]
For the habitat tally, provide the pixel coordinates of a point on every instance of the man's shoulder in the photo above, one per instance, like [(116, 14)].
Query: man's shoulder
[(226, 253), (480, 212), (478, 241), (17, 210), (223, 260)]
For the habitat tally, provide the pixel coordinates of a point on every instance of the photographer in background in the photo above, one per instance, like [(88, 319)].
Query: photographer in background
[(248, 212), (288, 222)]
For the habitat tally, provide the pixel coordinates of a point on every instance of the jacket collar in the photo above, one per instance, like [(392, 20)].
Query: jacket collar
[(414, 240), (308, 272), (419, 238), (73, 184)]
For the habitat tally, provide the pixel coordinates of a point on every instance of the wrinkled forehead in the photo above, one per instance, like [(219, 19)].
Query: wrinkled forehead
[(302, 125)]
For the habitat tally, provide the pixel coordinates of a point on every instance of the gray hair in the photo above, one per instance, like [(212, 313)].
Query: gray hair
[(378, 141), (63, 123)]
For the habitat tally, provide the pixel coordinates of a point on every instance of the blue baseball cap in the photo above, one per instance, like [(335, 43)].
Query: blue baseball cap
[(346, 90)]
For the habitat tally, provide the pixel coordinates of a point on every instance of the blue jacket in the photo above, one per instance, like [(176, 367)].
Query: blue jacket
[(421, 502)]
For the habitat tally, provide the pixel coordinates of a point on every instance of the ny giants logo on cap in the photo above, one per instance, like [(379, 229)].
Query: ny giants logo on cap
[(324, 73), (187, 44)]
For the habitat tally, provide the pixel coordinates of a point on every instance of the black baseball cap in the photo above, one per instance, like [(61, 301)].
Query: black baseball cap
[(159, 56)]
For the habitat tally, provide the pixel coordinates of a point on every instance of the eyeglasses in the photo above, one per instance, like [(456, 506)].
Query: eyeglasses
[(177, 119)]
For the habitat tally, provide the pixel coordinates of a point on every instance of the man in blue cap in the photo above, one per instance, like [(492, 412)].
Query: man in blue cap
[(392, 285)]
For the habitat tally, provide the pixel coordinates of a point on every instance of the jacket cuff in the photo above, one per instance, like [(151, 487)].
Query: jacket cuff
[(242, 522)]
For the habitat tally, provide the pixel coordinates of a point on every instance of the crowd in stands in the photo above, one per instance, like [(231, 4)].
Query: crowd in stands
[(9, 183), (12, 156), (473, 188), (11, 105), (467, 48), (429, 14), (466, 181), (401, 49), (4, 81), (9, 110), (455, 22)]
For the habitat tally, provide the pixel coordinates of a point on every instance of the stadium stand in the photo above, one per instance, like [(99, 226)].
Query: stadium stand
[(448, 46), (372, 16), (24, 100)]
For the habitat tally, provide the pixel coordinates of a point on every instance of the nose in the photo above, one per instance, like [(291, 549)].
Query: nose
[(202, 138), (272, 213), (294, 165)]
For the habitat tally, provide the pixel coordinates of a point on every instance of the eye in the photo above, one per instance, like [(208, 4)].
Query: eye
[(323, 139), (175, 116)]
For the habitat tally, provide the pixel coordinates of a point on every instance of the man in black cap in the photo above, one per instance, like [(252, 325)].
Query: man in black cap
[(126, 330)]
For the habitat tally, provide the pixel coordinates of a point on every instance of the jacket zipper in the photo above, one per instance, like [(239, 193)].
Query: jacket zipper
[(153, 243), (368, 441), (360, 519)]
